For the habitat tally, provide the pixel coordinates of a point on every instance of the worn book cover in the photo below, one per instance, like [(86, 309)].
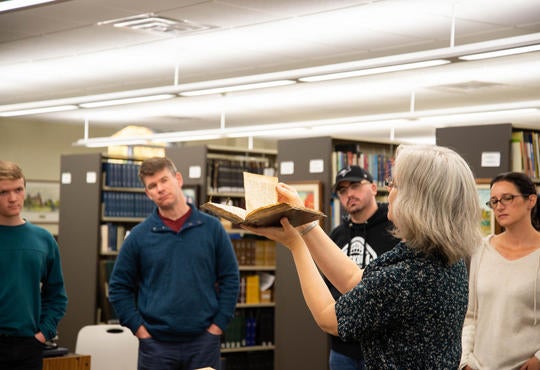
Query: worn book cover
[(262, 207)]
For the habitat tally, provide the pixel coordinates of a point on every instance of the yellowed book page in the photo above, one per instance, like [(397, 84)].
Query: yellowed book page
[(231, 213), (259, 190)]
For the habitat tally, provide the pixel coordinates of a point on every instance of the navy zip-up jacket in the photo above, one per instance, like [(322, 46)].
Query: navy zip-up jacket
[(175, 284)]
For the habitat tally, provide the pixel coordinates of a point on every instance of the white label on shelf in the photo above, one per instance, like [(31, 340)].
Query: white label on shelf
[(286, 168), (194, 172), (316, 166), (66, 178), (491, 159), (91, 177)]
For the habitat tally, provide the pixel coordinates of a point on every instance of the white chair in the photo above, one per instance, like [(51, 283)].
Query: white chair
[(111, 347)]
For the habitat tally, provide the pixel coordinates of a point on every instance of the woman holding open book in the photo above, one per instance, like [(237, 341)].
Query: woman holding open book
[(407, 307)]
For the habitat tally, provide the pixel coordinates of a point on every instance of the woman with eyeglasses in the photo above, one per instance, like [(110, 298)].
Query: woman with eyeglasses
[(406, 308), (502, 326)]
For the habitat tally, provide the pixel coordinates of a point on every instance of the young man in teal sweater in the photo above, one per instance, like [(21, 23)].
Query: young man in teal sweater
[(32, 294)]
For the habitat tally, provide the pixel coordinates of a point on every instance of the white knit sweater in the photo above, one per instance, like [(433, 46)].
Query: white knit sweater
[(502, 326)]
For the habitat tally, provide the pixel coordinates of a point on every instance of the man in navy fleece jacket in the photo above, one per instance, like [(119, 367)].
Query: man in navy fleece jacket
[(175, 282)]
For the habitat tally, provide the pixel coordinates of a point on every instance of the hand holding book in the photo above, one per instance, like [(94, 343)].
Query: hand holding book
[(263, 206), (288, 194)]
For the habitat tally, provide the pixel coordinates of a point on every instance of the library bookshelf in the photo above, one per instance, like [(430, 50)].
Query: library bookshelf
[(217, 175), (102, 199)]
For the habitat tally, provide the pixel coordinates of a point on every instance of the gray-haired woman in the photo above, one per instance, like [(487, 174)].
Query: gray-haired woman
[(407, 307)]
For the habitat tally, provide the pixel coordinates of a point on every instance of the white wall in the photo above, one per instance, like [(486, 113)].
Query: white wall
[(37, 146)]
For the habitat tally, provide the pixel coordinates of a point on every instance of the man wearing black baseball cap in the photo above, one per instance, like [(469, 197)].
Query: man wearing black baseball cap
[(352, 174), (363, 235)]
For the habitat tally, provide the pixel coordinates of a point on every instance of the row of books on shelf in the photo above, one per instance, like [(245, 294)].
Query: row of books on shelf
[(249, 327), (378, 164), (254, 251), (526, 152), (256, 287), (121, 175), (226, 176), (126, 204), (112, 236), (261, 360)]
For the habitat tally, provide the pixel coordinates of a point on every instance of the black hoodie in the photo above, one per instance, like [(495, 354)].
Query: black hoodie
[(362, 243)]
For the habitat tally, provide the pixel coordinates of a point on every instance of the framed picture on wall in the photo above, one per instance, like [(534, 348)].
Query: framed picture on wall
[(191, 192), (487, 222), (42, 201), (310, 192)]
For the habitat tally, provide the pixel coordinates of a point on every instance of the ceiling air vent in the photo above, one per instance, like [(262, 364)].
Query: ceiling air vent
[(153, 23), (464, 87)]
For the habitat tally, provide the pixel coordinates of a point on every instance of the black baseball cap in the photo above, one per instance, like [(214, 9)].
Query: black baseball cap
[(352, 174)]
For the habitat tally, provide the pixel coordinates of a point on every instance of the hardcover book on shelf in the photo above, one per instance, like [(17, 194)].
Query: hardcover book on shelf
[(262, 207), (253, 289)]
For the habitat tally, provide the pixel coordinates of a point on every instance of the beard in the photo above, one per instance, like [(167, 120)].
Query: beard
[(356, 207), (355, 210)]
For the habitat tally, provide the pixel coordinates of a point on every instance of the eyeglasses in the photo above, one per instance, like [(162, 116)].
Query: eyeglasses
[(353, 186), (505, 199), (390, 183)]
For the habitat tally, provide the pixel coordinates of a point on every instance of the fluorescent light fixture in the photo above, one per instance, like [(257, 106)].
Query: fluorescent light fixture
[(501, 53), (419, 140), (376, 70), (16, 4), (422, 59), (100, 142), (139, 99), (293, 131), (24, 112), (435, 118), (187, 137), (479, 118), (332, 126), (116, 143), (252, 86)]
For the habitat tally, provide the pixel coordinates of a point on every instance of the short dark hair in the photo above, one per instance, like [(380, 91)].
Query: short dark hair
[(155, 164), (525, 186)]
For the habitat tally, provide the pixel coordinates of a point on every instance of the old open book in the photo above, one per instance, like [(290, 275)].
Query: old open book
[(262, 207)]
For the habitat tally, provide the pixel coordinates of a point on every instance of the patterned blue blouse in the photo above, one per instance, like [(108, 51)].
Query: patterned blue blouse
[(407, 312)]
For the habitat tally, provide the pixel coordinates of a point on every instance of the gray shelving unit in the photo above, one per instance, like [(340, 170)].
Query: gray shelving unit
[(78, 240), (472, 141)]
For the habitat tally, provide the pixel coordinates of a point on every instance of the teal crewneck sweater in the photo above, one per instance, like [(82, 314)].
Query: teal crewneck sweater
[(32, 293)]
